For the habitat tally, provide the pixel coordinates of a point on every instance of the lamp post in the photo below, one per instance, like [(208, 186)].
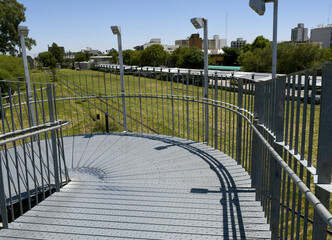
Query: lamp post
[(259, 7), (117, 31), (202, 23), (23, 32)]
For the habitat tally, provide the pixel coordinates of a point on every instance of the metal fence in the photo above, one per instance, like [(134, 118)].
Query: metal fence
[(278, 130), (32, 162)]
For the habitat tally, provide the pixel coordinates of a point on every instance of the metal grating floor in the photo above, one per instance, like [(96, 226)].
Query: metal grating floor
[(140, 186)]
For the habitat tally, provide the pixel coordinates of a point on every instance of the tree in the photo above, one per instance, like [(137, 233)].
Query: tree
[(176, 57), (115, 56), (193, 58), (290, 57), (258, 60), (187, 57), (126, 54), (135, 58), (154, 55), (47, 59), (12, 14), (293, 58), (259, 42), (231, 56), (57, 52), (81, 57)]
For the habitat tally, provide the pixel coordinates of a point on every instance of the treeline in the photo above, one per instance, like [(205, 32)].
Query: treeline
[(291, 57), (155, 55)]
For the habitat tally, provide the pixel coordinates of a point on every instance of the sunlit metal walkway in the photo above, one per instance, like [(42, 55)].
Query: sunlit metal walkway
[(140, 186)]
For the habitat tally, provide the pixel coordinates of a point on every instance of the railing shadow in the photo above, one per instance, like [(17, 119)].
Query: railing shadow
[(229, 201)]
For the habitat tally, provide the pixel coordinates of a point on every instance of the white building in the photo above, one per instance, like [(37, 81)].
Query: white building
[(322, 35), (217, 43), (167, 48), (170, 48), (152, 42), (91, 51)]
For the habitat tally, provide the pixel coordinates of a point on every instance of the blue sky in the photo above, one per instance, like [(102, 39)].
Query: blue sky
[(76, 24)]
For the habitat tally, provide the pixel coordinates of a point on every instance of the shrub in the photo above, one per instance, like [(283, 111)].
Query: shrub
[(10, 67)]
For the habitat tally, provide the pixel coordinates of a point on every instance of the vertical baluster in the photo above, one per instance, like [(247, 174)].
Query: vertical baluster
[(168, 120), (172, 97), (53, 138), (178, 100), (279, 111), (187, 102), (151, 96), (239, 121), (216, 111), (221, 113), (3, 204), (324, 150), (129, 100), (257, 146), (10, 93), (162, 98)]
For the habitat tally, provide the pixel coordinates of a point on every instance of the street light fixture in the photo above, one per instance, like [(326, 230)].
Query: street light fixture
[(202, 23), (117, 31), (23, 31), (197, 22), (259, 7)]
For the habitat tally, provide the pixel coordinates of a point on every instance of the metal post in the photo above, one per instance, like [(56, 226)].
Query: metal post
[(257, 146), (239, 121), (53, 137), (275, 32), (116, 30), (324, 154), (278, 128), (27, 79), (124, 109), (3, 206), (216, 111), (206, 80)]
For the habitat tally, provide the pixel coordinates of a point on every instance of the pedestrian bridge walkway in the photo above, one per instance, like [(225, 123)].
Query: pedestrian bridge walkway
[(141, 186)]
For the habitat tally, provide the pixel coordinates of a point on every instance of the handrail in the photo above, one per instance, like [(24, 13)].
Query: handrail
[(32, 129), (47, 128)]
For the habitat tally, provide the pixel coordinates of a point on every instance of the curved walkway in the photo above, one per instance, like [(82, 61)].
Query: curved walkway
[(140, 186)]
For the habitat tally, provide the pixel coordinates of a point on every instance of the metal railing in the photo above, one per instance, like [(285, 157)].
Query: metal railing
[(32, 162), (278, 130)]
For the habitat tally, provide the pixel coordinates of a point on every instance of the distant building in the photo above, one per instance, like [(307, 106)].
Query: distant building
[(182, 43), (322, 35), (96, 60), (238, 43), (139, 48), (299, 34), (31, 62), (152, 42), (170, 48), (167, 48), (195, 40), (217, 43), (91, 51)]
